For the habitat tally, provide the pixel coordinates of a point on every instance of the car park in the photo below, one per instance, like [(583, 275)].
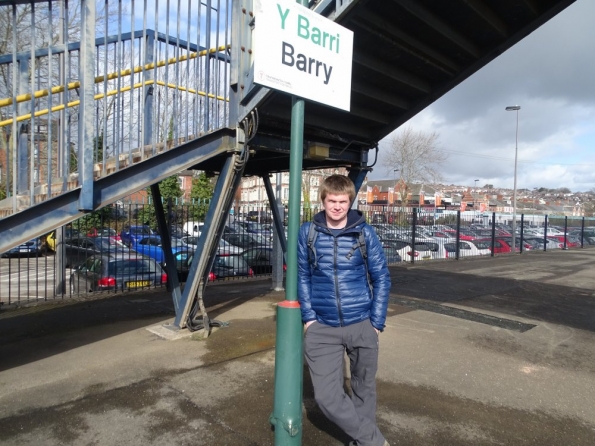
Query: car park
[(116, 271)]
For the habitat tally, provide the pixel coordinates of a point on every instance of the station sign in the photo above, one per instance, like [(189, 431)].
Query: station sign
[(302, 53)]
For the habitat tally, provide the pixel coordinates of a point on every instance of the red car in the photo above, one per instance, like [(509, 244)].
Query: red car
[(570, 242), (501, 246), (462, 236), (104, 232)]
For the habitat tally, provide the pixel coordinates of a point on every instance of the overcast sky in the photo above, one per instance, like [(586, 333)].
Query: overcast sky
[(551, 75)]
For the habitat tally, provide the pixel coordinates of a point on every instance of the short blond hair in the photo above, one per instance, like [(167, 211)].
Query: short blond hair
[(337, 185)]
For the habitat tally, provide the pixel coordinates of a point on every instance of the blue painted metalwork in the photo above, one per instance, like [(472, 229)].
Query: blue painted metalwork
[(58, 211)]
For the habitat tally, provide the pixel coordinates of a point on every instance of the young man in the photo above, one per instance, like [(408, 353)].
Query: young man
[(343, 298)]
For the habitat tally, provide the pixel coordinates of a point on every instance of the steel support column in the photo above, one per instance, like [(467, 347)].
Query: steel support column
[(172, 273), (277, 217), (227, 184)]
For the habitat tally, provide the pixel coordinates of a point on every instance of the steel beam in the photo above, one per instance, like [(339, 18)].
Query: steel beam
[(208, 242), (38, 220)]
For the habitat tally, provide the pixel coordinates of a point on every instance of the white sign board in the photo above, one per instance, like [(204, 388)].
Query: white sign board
[(302, 53)]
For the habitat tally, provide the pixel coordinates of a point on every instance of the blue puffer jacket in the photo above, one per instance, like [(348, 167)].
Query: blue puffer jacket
[(335, 291)]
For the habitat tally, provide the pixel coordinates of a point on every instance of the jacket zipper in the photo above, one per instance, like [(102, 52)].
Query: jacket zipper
[(337, 297)]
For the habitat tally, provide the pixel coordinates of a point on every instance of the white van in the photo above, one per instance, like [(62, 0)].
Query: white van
[(193, 228)]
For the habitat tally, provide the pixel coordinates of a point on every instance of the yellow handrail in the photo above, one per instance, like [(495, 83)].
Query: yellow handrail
[(110, 93), (111, 76)]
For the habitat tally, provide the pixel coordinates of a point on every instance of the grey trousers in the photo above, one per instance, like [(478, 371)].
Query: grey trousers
[(324, 348)]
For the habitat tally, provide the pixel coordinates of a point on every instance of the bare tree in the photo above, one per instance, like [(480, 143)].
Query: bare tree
[(416, 157)]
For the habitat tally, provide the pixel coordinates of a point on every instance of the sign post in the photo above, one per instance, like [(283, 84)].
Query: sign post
[(301, 53)]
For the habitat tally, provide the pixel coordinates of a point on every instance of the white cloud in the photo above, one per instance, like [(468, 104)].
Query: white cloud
[(550, 75)]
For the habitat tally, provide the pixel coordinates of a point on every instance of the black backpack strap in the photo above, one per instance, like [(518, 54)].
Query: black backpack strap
[(312, 234), (361, 245)]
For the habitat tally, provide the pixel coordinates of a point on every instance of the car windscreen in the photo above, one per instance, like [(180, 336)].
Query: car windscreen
[(235, 262), (140, 231), (483, 244), (126, 267)]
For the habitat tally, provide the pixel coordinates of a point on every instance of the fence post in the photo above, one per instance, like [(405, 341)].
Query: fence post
[(583, 232), (545, 233), (565, 230), (458, 251), (493, 232), (414, 222), (522, 227)]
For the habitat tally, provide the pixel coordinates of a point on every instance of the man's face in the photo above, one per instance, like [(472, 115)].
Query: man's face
[(336, 208)]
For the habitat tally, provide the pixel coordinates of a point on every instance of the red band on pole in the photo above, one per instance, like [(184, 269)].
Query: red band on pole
[(289, 304)]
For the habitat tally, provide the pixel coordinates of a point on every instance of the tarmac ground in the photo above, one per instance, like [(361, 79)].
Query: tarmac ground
[(482, 351)]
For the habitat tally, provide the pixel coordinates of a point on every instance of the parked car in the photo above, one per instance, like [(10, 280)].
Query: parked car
[(116, 271), (571, 242), (104, 232), (69, 233), (260, 216), (223, 266), (527, 246), (391, 254), (501, 246), (260, 259), (34, 247), (256, 228), (468, 248), (537, 243), (224, 247), (132, 234), (244, 240), (403, 248), (151, 247), (193, 228), (78, 249), (588, 236)]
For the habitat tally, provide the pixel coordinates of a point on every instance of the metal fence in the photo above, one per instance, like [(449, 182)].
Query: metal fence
[(91, 87), (40, 270)]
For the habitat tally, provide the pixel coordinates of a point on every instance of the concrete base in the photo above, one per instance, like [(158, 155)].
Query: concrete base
[(169, 332)]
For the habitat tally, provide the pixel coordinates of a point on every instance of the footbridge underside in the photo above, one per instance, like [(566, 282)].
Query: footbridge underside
[(407, 54)]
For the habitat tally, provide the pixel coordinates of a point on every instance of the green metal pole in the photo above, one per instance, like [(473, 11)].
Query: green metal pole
[(287, 409)]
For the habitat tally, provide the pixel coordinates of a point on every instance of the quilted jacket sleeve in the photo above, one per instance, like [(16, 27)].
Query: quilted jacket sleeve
[(379, 277), (304, 275)]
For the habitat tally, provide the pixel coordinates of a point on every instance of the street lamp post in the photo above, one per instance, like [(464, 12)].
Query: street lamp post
[(516, 150)]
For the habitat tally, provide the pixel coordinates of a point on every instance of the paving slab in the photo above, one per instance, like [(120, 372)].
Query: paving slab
[(489, 351)]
